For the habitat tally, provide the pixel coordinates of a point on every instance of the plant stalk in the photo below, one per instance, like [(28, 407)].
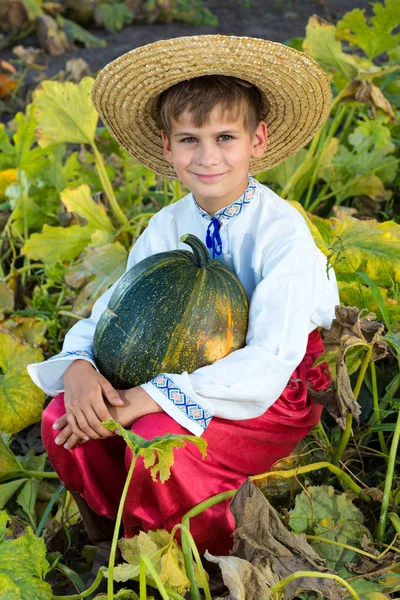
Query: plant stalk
[(41, 474), (395, 520), (88, 592), (154, 574), (110, 574), (377, 414), (317, 575), (344, 440), (388, 482), (106, 183)]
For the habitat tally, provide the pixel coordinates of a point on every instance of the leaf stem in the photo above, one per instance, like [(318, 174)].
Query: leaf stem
[(314, 467), (142, 580), (388, 482), (110, 574), (41, 474), (196, 554), (344, 440), (395, 520), (317, 575), (186, 550), (375, 400), (154, 574), (88, 592), (105, 181), (48, 509)]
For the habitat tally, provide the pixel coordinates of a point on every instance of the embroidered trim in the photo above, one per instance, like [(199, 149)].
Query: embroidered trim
[(189, 407), (233, 209), (84, 353)]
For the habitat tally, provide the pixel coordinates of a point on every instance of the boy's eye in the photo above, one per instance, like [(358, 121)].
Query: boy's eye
[(188, 140), (225, 137)]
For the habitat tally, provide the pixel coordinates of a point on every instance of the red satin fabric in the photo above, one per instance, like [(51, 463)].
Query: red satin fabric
[(236, 449)]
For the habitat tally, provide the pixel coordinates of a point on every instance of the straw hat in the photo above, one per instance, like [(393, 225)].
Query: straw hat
[(295, 90)]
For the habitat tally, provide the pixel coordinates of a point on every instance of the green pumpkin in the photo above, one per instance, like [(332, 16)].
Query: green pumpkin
[(172, 312)]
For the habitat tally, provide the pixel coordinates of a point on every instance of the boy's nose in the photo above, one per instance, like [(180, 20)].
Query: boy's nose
[(207, 155)]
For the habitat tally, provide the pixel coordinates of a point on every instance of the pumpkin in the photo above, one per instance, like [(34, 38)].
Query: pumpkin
[(172, 312)]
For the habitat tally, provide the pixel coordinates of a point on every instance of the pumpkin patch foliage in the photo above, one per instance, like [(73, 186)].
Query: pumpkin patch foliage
[(323, 522)]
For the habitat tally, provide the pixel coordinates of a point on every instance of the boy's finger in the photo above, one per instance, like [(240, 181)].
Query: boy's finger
[(85, 422), (60, 423), (112, 395), (71, 441)]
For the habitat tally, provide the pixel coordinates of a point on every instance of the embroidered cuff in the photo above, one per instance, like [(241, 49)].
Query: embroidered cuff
[(178, 405), (49, 374)]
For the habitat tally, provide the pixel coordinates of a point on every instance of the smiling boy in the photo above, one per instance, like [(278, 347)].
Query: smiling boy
[(208, 110)]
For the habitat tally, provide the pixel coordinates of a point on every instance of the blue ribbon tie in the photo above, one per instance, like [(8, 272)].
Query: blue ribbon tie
[(213, 240)]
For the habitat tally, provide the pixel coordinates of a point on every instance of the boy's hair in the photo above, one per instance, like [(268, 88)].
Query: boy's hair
[(201, 94)]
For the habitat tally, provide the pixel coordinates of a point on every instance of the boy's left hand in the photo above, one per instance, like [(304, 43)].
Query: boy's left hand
[(137, 403)]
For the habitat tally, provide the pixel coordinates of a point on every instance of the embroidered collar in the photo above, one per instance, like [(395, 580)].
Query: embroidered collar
[(234, 209)]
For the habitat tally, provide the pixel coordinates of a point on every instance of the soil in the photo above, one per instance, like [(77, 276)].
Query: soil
[(276, 20)]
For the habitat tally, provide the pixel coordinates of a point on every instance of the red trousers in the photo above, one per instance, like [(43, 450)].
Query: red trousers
[(235, 450)]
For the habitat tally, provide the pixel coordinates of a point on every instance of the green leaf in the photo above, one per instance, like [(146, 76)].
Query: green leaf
[(21, 401), (3, 524), (113, 16), (29, 329), (76, 33), (57, 243), (319, 506), (283, 172), (8, 589), (65, 113), (81, 202), (7, 490), (357, 294), (28, 156), (365, 246), (33, 8), (376, 37), (320, 43), (23, 567), (371, 131), (157, 452), (97, 269), (10, 468)]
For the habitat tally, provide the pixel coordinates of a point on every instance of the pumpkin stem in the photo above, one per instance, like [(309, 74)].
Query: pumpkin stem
[(202, 258)]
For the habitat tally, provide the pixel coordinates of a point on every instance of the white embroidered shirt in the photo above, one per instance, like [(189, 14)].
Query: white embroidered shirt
[(291, 291)]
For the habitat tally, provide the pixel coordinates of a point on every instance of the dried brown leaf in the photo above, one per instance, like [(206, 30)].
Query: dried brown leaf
[(243, 580), (261, 538)]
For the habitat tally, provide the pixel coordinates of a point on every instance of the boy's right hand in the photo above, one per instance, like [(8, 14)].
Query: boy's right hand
[(84, 400)]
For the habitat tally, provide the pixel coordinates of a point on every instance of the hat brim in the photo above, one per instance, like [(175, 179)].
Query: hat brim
[(293, 85)]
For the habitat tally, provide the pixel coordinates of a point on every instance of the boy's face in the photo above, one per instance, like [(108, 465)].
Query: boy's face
[(213, 161)]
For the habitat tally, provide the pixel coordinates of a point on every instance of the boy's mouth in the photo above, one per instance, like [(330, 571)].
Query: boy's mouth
[(209, 178)]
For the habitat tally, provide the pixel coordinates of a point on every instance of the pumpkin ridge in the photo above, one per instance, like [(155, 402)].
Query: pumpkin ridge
[(185, 319)]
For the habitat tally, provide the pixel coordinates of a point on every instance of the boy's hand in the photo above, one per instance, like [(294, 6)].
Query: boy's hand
[(137, 403), (85, 397)]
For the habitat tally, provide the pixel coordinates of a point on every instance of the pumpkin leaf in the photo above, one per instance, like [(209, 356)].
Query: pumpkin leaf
[(321, 44), (21, 401), (157, 452), (365, 246), (29, 329), (3, 524), (97, 269), (23, 567), (65, 113), (318, 510), (57, 243), (374, 37), (81, 202), (164, 553), (10, 468), (7, 490), (113, 16)]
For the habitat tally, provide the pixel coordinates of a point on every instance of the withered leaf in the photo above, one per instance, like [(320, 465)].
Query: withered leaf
[(242, 579), (261, 538)]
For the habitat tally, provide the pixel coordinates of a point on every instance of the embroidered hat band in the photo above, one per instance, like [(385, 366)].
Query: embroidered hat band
[(295, 90)]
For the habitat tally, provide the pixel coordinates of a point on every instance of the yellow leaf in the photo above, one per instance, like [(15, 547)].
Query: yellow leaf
[(57, 243), (7, 177), (29, 329), (80, 201), (65, 113), (173, 570), (21, 401), (320, 44)]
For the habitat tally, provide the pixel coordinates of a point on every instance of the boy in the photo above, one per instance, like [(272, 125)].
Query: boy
[(207, 110)]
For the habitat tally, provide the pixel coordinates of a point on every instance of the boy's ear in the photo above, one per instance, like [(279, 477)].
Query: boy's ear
[(166, 146), (260, 140)]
